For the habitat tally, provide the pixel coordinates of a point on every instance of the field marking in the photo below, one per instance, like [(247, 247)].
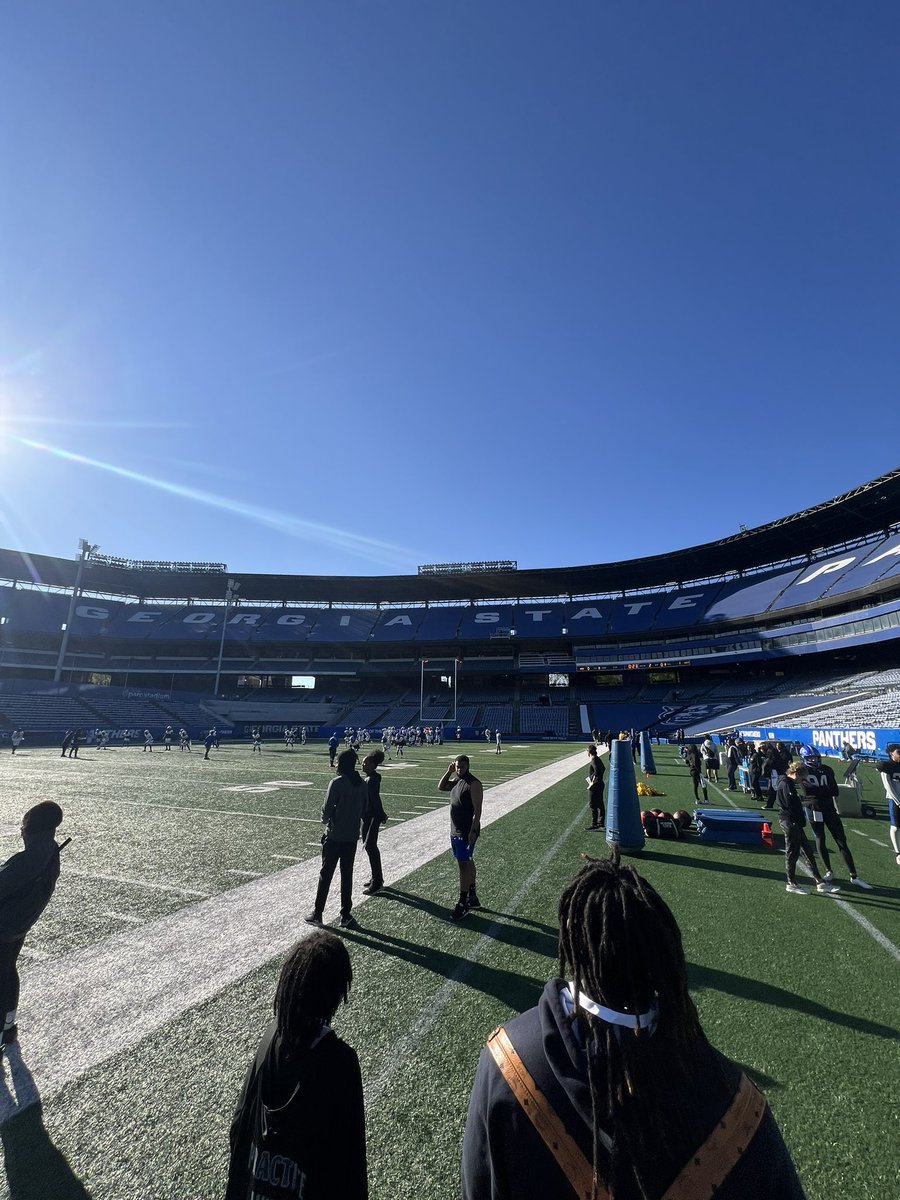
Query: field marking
[(117, 916), (247, 874), (877, 841), (141, 883), (724, 795), (884, 942), (220, 812), (403, 1050), (131, 984), (287, 857)]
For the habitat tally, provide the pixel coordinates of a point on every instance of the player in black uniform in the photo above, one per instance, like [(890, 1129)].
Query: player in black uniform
[(791, 818), (466, 798), (821, 790)]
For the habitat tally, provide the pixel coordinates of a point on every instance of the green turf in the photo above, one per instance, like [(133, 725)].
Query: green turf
[(791, 987)]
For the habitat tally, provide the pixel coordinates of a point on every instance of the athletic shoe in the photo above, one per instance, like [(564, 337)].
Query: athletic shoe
[(861, 883), (828, 876), (313, 918), (8, 1037), (590, 827), (796, 890), (473, 901), (827, 889), (372, 888), (461, 910), (348, 922), (898, 860)]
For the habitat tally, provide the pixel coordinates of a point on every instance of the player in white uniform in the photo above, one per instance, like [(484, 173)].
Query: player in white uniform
[(257, 742), (167, 737), (148, 741), (17, 737)]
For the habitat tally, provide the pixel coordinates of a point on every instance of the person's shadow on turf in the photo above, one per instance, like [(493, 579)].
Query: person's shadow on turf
[(35, 1168), (513, 989)]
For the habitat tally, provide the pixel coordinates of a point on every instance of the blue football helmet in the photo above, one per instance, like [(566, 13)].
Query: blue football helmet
[(810, 755)]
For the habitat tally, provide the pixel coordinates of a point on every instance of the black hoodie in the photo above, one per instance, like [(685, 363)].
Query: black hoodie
[(314, 1100), (27, 881), (504, 1157)]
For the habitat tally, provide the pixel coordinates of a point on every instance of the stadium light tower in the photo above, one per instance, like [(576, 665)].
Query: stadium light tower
[(85, 550), (232, 587)]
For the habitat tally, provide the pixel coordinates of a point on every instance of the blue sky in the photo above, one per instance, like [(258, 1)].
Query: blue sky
[(345, 287)]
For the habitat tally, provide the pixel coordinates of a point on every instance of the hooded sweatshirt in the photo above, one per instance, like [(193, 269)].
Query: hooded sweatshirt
[(311, 1104), (504, 1157), (27, 881), (343, 808)]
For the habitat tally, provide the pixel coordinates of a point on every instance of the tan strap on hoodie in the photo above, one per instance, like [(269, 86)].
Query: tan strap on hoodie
[(707, 1169)]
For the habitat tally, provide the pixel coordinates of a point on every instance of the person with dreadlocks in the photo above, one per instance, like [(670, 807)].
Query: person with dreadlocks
[(299, 1128), (609, 1086)]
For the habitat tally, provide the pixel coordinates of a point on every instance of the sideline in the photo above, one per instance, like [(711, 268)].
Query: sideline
[(402, 1052), (132, 984)]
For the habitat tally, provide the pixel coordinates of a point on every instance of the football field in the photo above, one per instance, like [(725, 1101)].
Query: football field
[(148, 980)]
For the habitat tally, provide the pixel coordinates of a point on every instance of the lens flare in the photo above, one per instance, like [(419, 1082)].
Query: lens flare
[(371, 549)]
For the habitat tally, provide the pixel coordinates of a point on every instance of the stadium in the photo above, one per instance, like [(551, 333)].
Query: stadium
[(146, 983), (791, 625)]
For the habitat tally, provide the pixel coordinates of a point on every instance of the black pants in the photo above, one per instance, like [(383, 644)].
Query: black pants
[(698, 783), (835, 826), (9, 980), (795, 845), (754, 785), (595, 799), (370, 845), (732, 771), (332, 854)]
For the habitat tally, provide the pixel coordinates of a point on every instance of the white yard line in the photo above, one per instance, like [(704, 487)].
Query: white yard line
[(884, 942), (141, 883), (133, 983), (187, 809), (724, 795), (287, 857), (877, 841), (117, 916), (246, 874)]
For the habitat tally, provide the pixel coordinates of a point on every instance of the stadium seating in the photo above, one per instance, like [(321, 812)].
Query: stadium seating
[(541, 720), (498, 716)]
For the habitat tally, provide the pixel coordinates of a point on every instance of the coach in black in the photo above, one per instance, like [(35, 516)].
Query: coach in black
[(466, 799), (342, 817), (27, 881)]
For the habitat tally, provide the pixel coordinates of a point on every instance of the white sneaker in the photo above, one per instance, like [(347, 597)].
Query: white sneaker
[(827, 889), (828, 876), (796, 890), (861, 883)]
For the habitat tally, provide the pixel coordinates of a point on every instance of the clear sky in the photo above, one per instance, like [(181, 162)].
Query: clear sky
[(349, 285)]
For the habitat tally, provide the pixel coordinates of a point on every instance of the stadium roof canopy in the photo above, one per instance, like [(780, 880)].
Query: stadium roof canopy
[(872, 508)]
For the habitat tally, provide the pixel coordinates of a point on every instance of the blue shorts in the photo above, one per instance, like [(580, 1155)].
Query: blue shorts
[(894, 813), (461, 849)]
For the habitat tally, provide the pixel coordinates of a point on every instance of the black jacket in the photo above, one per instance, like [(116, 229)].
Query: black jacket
[(504, 1157), (27, 881), (315, 1101)]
